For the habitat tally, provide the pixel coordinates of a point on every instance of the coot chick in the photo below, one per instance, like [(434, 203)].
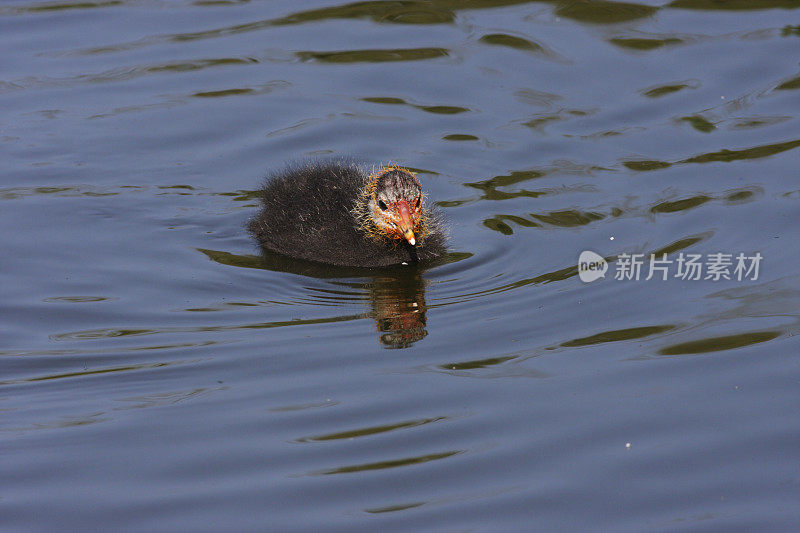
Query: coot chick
[(342, 214)]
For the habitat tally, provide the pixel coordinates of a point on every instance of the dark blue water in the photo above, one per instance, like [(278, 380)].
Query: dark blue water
[(158, 374)]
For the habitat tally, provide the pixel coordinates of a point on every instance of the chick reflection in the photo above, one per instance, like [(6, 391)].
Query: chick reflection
[(398, 307), (397, 295)]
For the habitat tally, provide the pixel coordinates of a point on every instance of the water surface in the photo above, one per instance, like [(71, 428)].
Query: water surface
[(159, 374)]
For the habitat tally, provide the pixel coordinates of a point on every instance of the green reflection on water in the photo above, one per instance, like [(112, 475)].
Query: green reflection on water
[(747, 153), (645, 44), (510, 41), (717, 344), (699, 123), (644, 166), (618, 335), (680, 205), (382, 465), (788, 85), (600, 12), (734, 5), (664, 90), (373, 56), (62, 6), (481, 363), (460, 137), (374, 430)]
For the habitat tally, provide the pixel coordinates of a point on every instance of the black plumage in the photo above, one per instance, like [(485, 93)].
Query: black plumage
[(318, 211)]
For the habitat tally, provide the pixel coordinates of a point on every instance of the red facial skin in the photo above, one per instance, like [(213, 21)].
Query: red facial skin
[(405, 220), (401, 218)]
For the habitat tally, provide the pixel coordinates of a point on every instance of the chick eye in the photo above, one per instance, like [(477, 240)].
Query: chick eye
[(416, 201), (382, 205)]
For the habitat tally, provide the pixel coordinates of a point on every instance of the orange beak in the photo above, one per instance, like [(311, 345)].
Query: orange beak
[(406, 224)]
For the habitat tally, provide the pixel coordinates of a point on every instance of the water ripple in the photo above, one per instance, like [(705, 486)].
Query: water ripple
[(392, 463), (716, 344), (372, 430), (373, 56)]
